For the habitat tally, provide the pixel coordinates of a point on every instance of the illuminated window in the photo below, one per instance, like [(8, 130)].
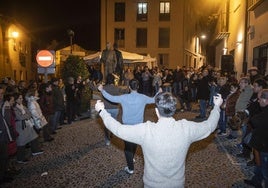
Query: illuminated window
[(119, 12), (164, 12), (163, 39), (142, 12), (119, 37), (141, 38)]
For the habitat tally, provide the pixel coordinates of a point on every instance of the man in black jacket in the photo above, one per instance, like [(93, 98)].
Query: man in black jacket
[(259, 141), (203, 94)]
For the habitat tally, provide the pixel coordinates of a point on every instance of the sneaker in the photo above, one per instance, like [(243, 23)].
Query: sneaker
[(49, 140), (222, 133), (231, 137), (107, 143), (25, 161), (128, 171), (37, 153), (218, 131), (252, 183)]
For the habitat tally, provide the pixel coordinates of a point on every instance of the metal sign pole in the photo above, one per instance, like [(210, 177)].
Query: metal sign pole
[(45, 75)]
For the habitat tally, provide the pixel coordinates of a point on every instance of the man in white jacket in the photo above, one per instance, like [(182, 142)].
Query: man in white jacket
[(165, 143)]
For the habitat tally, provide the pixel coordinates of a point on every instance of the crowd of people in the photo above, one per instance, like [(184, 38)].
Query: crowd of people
[(246, 95), (32, 114)]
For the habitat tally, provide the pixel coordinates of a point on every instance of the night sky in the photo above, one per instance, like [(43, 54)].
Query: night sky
[(51, 19)]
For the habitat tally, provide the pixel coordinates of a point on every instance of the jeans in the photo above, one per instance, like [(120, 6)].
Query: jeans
[(55, 120), (261, 172), (264, 167), (222, 121), (177, 88), (193, 92), (203, 108), (212, 93), (130, 149), (114, 113), (156, 88), (70, 113)]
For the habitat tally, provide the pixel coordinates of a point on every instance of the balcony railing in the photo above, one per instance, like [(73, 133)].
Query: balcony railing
[(252, 4)]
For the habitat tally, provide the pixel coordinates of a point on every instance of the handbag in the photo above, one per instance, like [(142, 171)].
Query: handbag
[(28, 122), (39, 123)]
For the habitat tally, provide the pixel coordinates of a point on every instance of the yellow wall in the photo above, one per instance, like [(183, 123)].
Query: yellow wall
[(175, 24)]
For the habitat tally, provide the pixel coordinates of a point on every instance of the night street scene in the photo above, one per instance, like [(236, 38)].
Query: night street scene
[(108, 93)]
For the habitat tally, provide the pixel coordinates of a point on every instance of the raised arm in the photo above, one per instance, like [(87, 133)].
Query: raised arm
[(106, 95), (129, 133)]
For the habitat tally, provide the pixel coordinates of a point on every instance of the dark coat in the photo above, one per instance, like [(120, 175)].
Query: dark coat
[(253, 106), (58, 99), (4, 130), (46, 104), (259, 139), (203, 89), (224, 91), (70, 92)]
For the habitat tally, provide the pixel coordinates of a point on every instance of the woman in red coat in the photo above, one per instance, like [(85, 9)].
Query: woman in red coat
[(9, 116)]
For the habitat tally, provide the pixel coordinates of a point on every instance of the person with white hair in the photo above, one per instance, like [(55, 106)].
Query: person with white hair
[(165, 143)]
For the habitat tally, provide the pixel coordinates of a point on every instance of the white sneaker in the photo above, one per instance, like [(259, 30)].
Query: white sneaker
[(107, 143), (25, 161), (128, 171), (38, 153)]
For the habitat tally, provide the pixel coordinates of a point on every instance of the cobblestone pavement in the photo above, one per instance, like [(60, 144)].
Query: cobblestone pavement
[(78, 157)]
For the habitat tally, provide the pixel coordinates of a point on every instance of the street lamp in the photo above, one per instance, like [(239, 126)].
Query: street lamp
[(71, 35), (203, 36)]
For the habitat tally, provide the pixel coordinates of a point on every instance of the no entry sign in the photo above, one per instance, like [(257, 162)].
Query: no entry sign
[(44, 58)]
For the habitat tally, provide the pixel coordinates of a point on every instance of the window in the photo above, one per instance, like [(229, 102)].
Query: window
[(142, 12), (119, 12), (163, 59), (119, 37), (163, 39), (22, 59), (164, 12), (141, 38), (260, 58)]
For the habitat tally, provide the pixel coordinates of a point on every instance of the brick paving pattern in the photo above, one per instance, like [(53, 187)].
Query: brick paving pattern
[(79, 158)]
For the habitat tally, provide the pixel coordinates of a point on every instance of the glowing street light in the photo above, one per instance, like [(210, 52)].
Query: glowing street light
[(203, 36), (15, 34)]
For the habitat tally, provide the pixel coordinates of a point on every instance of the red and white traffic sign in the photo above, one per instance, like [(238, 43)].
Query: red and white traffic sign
[(44, 58)]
